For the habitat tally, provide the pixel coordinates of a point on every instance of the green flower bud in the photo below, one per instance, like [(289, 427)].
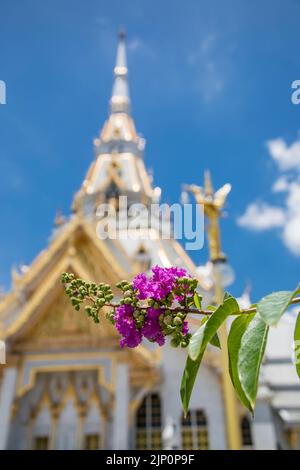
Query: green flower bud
[(124, 285), (110, 316), (88, 309), (175, 342), (109, 297), (168, 320), (181, 315), (100, 302), (170, 329)]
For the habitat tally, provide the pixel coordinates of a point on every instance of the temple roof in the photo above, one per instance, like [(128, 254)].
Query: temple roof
[(119, 165)]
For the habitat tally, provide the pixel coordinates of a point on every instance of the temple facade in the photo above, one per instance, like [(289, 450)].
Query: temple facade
[(66, 383)]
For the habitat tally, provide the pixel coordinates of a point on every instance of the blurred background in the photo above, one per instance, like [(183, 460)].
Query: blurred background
[(211, 88), (210, 85)]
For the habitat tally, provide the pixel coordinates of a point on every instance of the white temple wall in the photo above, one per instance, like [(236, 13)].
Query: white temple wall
[(207, 395)]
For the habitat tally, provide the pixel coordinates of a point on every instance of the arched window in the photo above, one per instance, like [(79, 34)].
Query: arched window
[(41, 443), (246, 433), (92, 429), (42, 429), (194, 431), (148, 423), (67, 427), (293, 438)]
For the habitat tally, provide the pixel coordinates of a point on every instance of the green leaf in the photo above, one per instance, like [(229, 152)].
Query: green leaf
[(237, 330), (251, 352), (273, 306), (206, 332), (227, 295), (197, 301), (201, 338), (297, 345), (196, 342), (188, 380), (204, 320), (211, 308), (215, 340)]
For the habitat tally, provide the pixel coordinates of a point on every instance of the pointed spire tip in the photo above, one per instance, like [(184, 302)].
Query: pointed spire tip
[(120, 101), (122, 34)]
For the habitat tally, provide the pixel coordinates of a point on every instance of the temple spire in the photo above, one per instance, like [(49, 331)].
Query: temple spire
[(120, 100)]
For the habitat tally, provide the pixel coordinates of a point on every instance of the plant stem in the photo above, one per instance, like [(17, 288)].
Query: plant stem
[(189, 310)]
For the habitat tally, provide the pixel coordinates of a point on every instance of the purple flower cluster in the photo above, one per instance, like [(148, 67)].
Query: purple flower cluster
[(159, 285), (155, 288), (152, 329), (124, 322)]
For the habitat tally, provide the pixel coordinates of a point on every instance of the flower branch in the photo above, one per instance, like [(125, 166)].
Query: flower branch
[(156, 306)]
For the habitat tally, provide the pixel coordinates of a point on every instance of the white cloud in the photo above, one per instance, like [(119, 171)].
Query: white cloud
[(135, 44), (212, 65), (280, 185), (262, 216), (208, 42), (291, 234), (287, 157), (293, 198)]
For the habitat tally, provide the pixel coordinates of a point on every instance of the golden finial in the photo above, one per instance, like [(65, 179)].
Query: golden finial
[(15, 276), (213, 203), (59, 219), (208, 187)]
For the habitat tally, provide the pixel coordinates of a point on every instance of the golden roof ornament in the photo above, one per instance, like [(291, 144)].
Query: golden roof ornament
[(15, 276), (59, 219), (213, 203)]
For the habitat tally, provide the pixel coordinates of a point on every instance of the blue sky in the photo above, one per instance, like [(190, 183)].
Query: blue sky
[(211, 88)]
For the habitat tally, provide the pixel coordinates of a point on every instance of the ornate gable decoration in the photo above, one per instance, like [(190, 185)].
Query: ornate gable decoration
[(60, 326), (76, 249)]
